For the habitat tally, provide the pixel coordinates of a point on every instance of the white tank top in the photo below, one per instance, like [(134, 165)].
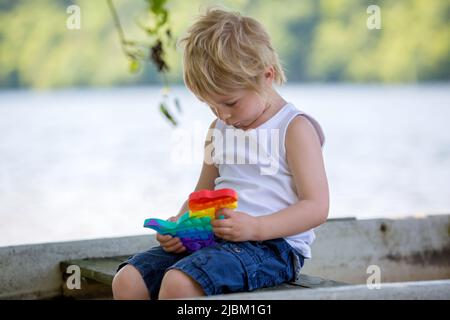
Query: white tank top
[(253, 163)]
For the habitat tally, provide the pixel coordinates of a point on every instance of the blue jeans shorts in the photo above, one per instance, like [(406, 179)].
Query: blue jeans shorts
[(223, 268)]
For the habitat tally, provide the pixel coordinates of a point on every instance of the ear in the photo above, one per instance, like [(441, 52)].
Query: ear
[(269, 74)]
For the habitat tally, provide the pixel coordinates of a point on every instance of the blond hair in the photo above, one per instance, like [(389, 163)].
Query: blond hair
[(225, 51)]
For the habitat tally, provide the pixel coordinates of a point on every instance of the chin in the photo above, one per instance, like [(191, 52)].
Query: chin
[(245, 128)]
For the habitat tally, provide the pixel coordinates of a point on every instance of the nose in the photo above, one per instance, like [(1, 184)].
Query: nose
[(223, 116), (226, 118)]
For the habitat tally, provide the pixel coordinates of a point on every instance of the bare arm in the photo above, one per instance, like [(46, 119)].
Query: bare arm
[(209, 172), (206, 180), (304, 156)]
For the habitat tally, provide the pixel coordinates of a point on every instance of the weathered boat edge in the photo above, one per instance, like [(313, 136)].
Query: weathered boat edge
[(404, 249), (33, 271), (413, 290)]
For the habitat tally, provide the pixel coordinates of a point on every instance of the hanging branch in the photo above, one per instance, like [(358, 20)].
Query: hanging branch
[(156, 27)]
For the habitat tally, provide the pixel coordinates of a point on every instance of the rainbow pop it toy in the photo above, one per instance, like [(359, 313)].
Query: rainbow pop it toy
[(194, 226)]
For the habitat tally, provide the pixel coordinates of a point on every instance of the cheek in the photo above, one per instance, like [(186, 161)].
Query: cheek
[(247, 114), (249, 110), (253, 109), (258, 109)]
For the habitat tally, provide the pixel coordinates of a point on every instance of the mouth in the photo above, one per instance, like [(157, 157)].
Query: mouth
[(240, 126)]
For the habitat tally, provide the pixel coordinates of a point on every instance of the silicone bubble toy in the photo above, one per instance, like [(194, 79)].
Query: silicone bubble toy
[(194, 226)]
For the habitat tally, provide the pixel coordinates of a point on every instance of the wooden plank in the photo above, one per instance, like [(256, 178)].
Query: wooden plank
[(90, 289), (283, 286), (121, 258), (312, 282), (341, 219), (102, 270), (415, 290)]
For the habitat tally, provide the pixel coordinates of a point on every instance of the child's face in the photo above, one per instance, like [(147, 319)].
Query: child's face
[(241, 109)]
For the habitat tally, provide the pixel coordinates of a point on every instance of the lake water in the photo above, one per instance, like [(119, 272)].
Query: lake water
[(94, 163)]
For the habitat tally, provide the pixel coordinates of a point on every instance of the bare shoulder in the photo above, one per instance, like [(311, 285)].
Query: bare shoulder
[(305, 160), (301, 131)]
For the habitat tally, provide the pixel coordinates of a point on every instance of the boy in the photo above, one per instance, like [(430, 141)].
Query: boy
[(230, 64)]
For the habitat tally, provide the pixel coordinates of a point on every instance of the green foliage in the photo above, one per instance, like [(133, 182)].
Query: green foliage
[(317, 40), (134, 65), (156, 25), (164, 110)]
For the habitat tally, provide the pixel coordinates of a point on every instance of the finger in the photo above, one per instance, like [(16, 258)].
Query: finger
[(221, 232), (171, 242), (171, 248), (226, 212), (222, 236), (163, 237), (173, 219), (174, 247), (226, 236), (221, 223), (182, 249), (223, 229)]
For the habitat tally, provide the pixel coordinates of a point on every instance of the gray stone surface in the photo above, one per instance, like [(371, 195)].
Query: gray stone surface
[(422, 290), (404, 250), (33, 271)]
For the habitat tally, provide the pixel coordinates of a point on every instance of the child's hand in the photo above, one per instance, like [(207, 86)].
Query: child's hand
[(169, 243), (237, 226)]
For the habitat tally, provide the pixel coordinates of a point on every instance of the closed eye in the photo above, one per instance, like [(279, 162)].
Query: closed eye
[(230, 104)]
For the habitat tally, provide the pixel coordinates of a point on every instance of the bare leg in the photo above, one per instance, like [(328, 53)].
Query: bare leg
[(177, 284), (129, 285)]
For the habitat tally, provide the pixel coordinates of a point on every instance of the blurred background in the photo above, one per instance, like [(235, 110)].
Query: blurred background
[(94, 138)]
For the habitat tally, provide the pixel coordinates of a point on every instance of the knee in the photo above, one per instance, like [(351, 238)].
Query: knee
[(177, 284), (128, 284)]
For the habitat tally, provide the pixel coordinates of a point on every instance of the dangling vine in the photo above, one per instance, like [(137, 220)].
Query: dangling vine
[(156, 25)]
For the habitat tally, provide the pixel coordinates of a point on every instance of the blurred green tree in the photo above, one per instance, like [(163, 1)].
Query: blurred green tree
[(318, 40)]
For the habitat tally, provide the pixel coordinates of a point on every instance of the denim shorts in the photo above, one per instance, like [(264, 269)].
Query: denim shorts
[(223, 268)]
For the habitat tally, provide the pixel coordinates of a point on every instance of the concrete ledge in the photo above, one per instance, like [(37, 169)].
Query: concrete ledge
[(421, 290), (33, 271), (409, 249), (412, 249)]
